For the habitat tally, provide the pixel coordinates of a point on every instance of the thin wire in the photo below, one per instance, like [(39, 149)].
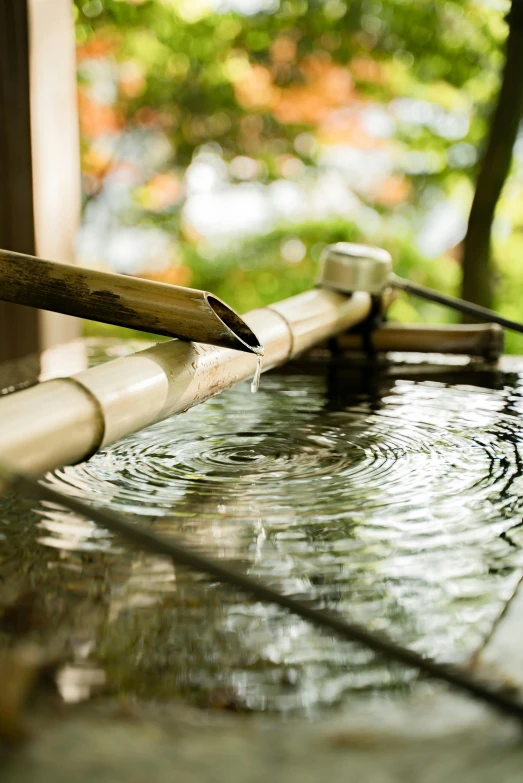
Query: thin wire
[(184, 556), (476, 311)]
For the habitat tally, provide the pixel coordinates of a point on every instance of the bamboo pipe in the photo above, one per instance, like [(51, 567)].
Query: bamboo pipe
[(66, 420), (163, 309), (484, 340)]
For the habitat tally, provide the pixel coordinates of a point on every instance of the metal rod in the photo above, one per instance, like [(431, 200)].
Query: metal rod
[(169, 310), (184, 556), (476, 311)]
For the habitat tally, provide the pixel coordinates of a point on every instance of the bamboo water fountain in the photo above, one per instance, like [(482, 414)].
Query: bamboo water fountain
[(67, 420)]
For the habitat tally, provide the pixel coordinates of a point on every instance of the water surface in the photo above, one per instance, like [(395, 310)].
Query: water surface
[(397, 502)]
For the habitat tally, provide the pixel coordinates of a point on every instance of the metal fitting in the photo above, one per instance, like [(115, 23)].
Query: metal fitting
[(349, 267)]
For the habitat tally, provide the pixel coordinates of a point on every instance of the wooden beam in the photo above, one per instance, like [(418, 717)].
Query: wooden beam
[(55, 145), (39, 160), (18, 325)]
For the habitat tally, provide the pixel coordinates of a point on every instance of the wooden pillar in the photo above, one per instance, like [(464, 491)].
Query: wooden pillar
[(19, 328), (39, 156)]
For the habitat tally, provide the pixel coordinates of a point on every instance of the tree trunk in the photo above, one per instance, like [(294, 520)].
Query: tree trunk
[(477, 273)]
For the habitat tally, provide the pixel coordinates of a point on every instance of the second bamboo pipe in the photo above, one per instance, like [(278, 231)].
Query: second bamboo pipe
[(66, 420), (485, 340), (122, 300)]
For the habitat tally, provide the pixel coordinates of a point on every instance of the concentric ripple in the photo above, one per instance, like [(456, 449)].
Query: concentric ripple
[(401, 510)]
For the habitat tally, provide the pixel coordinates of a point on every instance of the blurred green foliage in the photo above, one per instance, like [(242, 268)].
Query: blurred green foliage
[(258, 85), (260, 270), (191, 59)]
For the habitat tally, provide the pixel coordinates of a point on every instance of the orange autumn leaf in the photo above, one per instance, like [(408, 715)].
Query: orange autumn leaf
[(392, 191), (161, 191), (368, 70), (95, 119), (347, 128), (255, 90), (173, 275), (327, 87), (283, 50), (98, 46)]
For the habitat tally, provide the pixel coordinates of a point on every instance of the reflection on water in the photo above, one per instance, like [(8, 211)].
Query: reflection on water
[(399, 505)]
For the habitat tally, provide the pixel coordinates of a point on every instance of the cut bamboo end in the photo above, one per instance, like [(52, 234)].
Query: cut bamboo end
[(64, 421), (121, 300), (237, 327)]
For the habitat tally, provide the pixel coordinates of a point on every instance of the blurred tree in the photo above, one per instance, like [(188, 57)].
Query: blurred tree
[(253, 83), (267, 90), (477, 270)]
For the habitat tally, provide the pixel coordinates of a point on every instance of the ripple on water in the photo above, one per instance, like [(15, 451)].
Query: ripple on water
[(398, 511)]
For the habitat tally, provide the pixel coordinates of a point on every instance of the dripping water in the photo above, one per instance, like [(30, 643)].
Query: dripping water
[(255, 383)]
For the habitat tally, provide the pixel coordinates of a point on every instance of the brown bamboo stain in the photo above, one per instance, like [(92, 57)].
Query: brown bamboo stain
[(120, 300)]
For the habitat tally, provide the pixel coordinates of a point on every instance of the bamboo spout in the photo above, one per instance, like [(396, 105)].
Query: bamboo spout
[(163, 309), (66, 420)]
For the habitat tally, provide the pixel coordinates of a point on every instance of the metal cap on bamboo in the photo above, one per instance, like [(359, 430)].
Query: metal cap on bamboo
[(349, 267)]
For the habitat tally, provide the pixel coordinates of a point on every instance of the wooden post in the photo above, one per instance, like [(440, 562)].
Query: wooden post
[(39, 156)]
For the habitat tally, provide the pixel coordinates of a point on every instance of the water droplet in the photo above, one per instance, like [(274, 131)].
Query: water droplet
[(255, 385)]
